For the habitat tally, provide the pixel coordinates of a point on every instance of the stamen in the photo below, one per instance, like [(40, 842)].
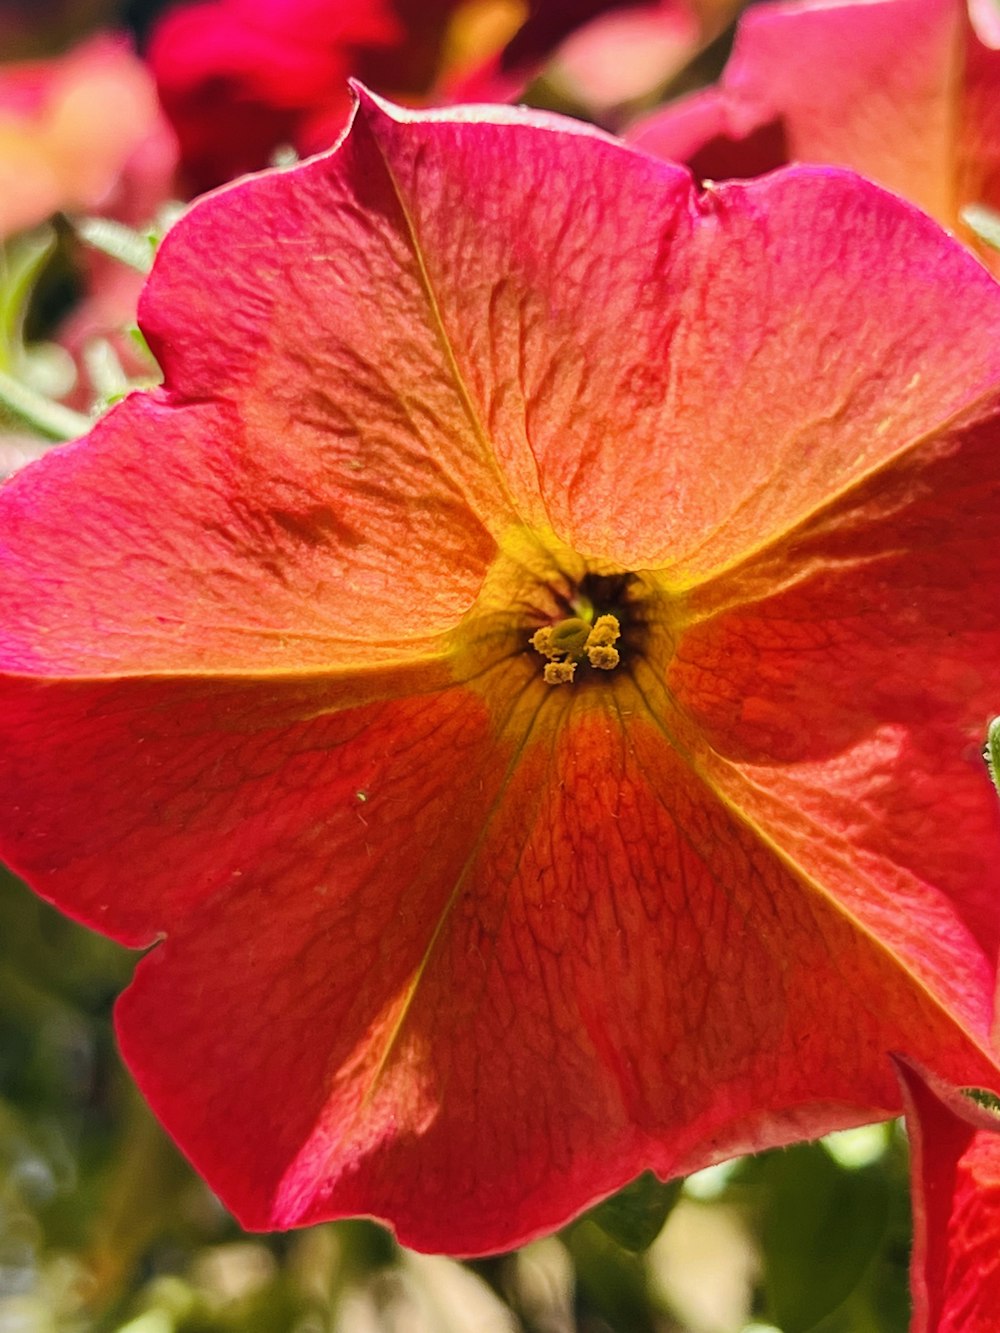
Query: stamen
[(559, 673), (569, 641), (604, 658)]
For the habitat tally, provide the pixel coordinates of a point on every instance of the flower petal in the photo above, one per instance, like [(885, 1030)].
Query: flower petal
[(903, 91), (472, 1024), (701, 131), (371, 401), (955, 1164), (204, 546), (842, 685), (337, 314), (885, 103), (150, 796), (612, 377)]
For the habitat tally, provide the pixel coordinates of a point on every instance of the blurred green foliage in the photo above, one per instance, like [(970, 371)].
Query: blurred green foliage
[(105, 1229)]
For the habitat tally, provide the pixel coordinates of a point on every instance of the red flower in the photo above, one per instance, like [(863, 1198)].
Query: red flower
[(905, 91), (955, 1150), (240, 78), (448, 943)]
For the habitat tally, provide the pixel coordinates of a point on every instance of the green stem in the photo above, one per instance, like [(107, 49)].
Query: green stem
[(41, 413), (120, 242), (21, 266)]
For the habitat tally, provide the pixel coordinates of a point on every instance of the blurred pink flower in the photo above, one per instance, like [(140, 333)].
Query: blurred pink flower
[(627, 53), (81, 132), (600, 52)]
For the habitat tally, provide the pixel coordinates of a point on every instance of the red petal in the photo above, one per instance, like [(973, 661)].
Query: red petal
[(955, 1166), (584, 966), (225, 769), (884, 799), (282, 549), (703, 132)]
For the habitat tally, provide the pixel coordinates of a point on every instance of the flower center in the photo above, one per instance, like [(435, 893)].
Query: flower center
[(557, 618), (568, 642), (597, 620)]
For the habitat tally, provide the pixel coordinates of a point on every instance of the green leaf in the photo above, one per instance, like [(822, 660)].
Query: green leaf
[(821, 1229), (634, 1217), (612, 1284), (991, 752)]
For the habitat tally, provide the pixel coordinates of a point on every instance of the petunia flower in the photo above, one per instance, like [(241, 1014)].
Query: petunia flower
[(955, 1149), (524, 671), (905, 91)]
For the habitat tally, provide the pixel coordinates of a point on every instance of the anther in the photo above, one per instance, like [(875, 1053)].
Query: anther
[(568, 642)]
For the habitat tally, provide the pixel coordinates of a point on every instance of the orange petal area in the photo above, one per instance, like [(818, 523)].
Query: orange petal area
[(453, 1026), (955, 1168), (614, 383), (842, 686), (272, 558), (332, 337)]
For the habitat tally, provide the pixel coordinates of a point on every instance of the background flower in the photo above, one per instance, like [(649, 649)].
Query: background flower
[(80, 133), (240, 79), (905, 91)]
